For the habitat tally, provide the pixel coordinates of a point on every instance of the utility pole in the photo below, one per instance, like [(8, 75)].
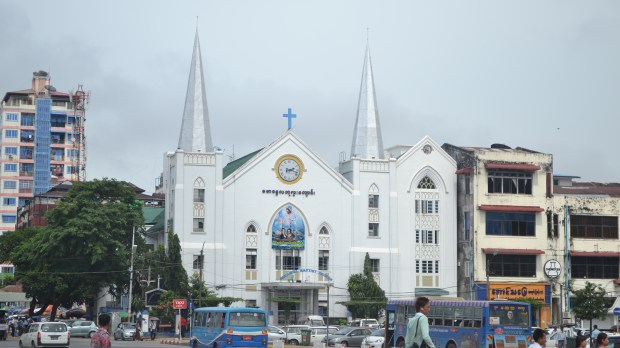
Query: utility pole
[(202, 263), (488, 283), (133, 248)]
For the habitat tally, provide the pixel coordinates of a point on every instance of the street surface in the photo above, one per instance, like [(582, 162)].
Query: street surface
[(79, 342)]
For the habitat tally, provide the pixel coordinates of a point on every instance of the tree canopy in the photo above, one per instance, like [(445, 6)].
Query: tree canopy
[(589, 303), (85, 247)]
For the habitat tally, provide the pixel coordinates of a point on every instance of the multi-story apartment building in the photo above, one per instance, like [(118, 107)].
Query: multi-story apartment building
[(42, 143), (503, 196), (584, 217)]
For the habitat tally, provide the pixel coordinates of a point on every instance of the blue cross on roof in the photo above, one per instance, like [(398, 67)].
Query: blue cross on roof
[(290, 116)]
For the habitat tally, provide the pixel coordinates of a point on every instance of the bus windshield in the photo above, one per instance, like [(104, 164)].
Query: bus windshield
[(247, 319), (508, 314)]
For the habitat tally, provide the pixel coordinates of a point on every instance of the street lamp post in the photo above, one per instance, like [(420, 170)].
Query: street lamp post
[(202, 262), (133, 249)]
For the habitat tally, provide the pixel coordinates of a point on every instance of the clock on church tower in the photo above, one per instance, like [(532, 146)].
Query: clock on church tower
[(289, 169)]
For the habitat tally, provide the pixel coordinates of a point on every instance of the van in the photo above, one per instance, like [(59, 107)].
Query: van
[(369, 323), (314, 320)]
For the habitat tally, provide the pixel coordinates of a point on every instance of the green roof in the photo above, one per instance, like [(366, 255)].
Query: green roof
[(234, 165), (150, 214), (159, 222)]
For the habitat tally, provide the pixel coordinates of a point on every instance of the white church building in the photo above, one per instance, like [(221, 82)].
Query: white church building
[(283, 223)]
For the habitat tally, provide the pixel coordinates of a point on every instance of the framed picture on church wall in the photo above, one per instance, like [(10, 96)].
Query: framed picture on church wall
[(288, 229)]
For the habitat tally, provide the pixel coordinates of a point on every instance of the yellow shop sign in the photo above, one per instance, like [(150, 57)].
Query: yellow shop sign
[(510, 291)]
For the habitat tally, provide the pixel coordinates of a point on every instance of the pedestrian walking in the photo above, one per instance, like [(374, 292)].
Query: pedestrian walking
[(540, 339), (153, 329), (101, 338), (561, 338)]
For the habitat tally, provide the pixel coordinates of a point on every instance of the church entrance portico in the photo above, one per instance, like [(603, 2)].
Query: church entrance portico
[(299, 299)]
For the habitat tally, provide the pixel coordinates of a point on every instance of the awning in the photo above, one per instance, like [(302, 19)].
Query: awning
[(512, 166), (513, 208), (430, 292), (466, 170), (594, 253), (512, 251)]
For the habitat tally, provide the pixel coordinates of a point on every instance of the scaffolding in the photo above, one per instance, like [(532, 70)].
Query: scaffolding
[(79, 100)]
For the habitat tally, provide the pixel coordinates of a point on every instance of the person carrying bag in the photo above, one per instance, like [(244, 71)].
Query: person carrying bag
[(417, 327)]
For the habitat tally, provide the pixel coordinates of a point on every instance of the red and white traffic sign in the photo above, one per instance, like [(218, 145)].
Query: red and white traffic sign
[(179, 304)]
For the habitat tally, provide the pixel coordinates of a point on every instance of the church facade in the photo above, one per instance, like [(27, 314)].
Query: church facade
[(282, 223)]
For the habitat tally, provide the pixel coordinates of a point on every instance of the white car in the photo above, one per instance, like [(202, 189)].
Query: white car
[(275, 334), (52, 334), (319, 332), (293, 333), (375, 340)]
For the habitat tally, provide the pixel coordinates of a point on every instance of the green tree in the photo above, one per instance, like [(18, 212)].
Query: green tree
[(175, 276), (366, 296), (589, 303), (10, 241), (85, 247)]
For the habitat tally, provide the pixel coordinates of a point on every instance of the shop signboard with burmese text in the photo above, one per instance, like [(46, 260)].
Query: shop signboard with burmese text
[(512, 291)]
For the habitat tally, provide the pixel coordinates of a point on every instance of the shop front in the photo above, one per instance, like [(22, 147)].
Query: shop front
[(539, 292)]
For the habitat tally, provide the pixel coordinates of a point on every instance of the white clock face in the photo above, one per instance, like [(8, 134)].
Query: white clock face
[(289, 170)]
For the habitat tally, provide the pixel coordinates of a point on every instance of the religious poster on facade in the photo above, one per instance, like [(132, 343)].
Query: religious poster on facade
[(288, 230)]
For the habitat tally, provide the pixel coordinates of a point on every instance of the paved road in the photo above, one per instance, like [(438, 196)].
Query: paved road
[(78, 342)]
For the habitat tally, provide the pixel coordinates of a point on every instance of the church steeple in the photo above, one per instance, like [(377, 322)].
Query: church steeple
[(367, 140), (195, 128)]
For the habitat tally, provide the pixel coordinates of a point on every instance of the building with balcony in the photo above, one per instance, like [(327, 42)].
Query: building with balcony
[(41, 145), (586, 248), (503, 241)]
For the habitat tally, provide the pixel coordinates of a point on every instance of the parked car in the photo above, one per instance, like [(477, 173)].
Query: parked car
[(349, 336), (52, 334), (293, 333), (370, 323), (375, 340), (83, 328), (125, 331), (318, 333), (275, 334)]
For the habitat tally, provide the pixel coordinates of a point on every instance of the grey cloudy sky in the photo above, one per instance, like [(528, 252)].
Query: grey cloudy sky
[(544, 75)]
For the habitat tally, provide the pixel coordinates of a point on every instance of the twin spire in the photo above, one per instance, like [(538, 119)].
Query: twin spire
[(367, 140), (196, 130)]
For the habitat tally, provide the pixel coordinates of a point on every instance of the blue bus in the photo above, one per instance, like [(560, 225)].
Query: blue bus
[(228, 327), (464, 324)]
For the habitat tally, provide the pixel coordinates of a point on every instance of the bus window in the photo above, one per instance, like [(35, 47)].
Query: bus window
[(477, 323), (209, 320), (438, 316), (411, 312), (198, 319), (400, 314)]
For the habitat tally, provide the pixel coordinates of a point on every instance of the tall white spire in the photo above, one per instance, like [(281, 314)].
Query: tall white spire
[(195, 128), (367, 140)]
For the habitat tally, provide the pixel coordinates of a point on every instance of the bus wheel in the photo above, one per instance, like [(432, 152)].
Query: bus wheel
[(451, 345), (400, 343), (195, 345)]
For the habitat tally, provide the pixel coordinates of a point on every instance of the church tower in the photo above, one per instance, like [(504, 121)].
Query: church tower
[(195, 129), (191, 174), (367, 141)]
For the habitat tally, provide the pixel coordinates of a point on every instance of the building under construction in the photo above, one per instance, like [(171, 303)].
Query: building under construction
[(43, 143)]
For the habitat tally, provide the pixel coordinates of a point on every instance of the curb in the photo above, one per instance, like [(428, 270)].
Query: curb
[(174, 341)]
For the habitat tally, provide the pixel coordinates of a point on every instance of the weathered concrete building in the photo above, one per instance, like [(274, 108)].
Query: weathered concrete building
[(584, 220), (503, 194)]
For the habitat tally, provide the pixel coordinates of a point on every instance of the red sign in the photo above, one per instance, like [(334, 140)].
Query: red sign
[(179, 304)]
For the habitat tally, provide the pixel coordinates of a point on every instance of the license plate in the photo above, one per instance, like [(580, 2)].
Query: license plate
[(54, 338), (247, 338)]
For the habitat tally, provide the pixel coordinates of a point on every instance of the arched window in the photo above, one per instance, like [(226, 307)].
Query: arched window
[(251, 229), (426, 183), (373, 211), (323, 230)]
